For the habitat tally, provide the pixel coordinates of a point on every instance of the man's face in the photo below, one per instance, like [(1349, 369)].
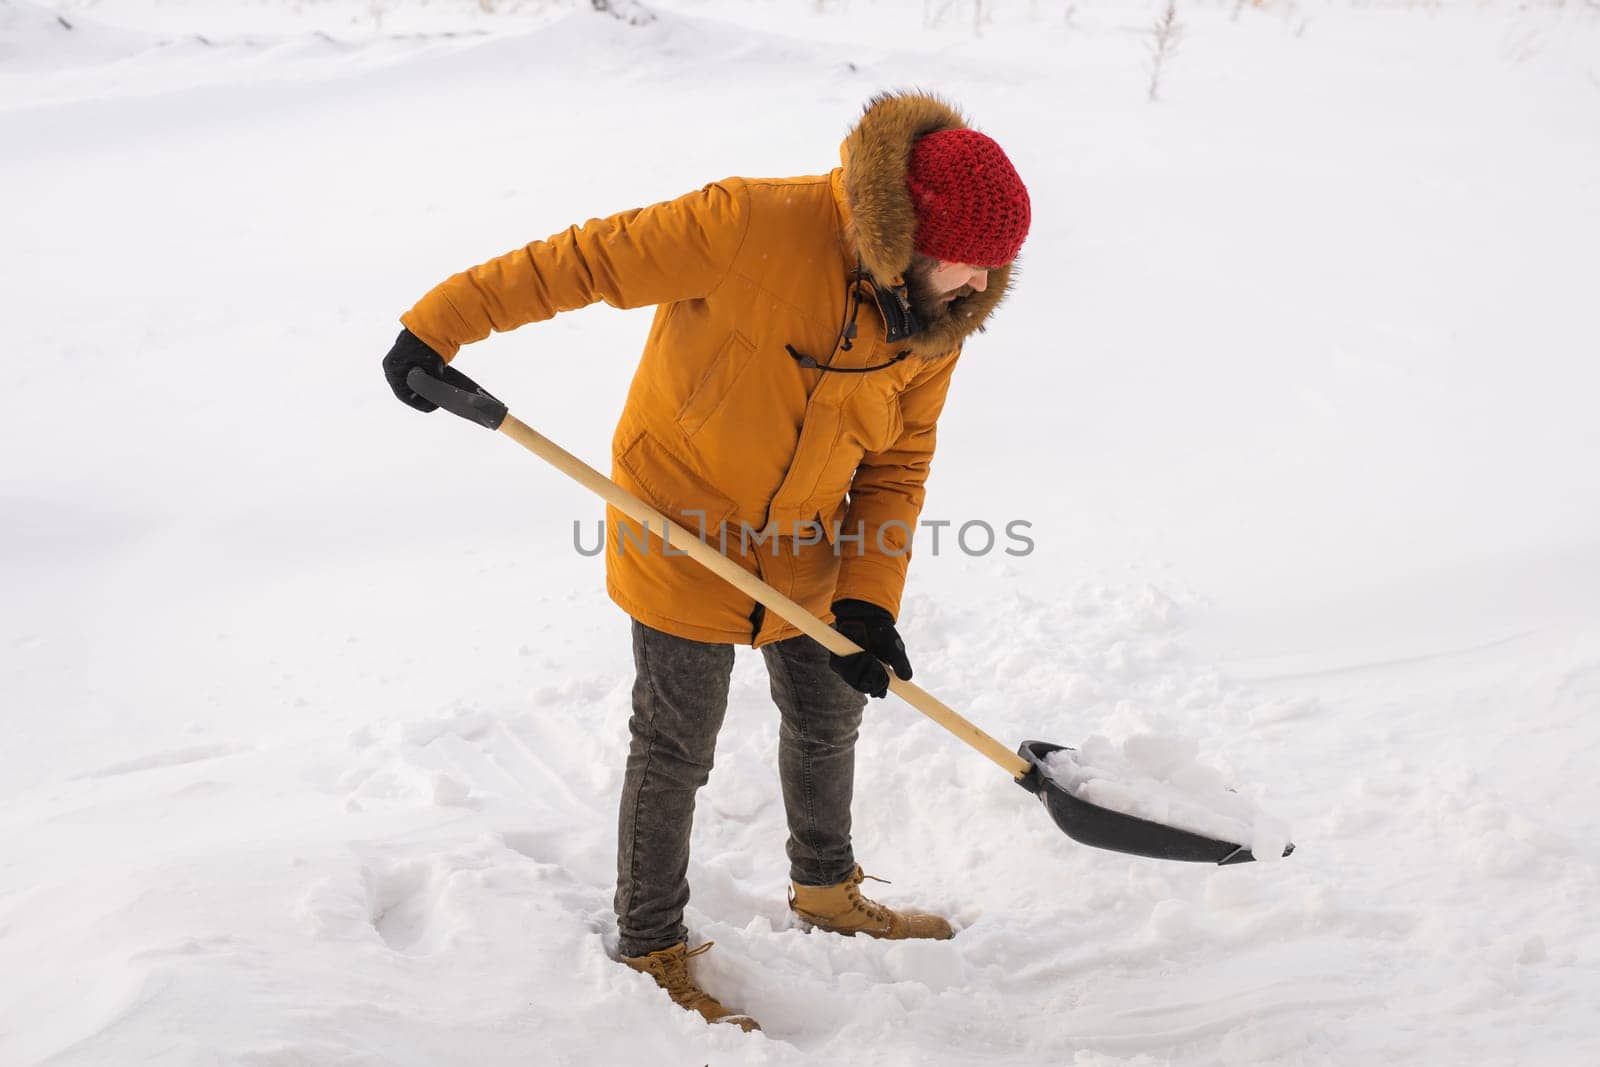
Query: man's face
[(935, 283), (947, 280)]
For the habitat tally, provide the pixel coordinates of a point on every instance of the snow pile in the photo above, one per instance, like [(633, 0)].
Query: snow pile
[(35, 38), (1161, 779)]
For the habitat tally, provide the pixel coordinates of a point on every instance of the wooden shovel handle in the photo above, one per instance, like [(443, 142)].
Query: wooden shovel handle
[(707, 556)]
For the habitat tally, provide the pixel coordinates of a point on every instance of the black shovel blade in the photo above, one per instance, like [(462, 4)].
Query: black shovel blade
[(1098, 827)]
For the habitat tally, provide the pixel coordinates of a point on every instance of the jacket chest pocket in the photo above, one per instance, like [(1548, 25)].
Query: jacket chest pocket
[(872, 414), (732, 359)]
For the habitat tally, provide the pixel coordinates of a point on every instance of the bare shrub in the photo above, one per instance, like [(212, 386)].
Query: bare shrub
[(1166, 34), (629, 11)]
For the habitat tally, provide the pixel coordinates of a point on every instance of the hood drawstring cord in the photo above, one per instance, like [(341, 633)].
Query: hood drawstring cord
[(847, 333)]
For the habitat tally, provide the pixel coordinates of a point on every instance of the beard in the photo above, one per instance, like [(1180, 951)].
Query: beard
[(932, 306)]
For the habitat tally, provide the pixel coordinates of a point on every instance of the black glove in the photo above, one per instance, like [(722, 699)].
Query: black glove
[(410, 351), (873, 629)]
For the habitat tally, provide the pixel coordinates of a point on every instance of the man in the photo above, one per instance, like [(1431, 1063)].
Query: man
[(785, 404)]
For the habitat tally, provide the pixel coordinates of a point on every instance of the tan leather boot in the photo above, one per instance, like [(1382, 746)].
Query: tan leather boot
[(670, 968), (843, 910)]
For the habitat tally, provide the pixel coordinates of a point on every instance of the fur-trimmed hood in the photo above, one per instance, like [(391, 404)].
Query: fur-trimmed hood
[(881, 220)]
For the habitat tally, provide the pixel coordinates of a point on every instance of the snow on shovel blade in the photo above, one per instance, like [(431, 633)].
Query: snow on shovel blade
[(1099, 827)]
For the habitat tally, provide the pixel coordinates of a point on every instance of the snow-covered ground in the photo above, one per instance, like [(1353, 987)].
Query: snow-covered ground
[(314, 720)]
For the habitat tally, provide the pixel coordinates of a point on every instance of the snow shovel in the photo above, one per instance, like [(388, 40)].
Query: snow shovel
[(1085, 822)]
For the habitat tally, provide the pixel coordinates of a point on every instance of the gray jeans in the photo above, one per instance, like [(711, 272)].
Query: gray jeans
[(680, 694)]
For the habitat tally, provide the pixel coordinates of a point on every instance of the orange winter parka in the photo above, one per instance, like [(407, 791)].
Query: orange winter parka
[(812, 479)]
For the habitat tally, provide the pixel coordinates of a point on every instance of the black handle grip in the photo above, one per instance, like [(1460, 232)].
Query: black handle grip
[(459, 395)]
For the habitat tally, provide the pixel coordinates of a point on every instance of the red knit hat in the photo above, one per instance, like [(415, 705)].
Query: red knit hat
[(971, 206)]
